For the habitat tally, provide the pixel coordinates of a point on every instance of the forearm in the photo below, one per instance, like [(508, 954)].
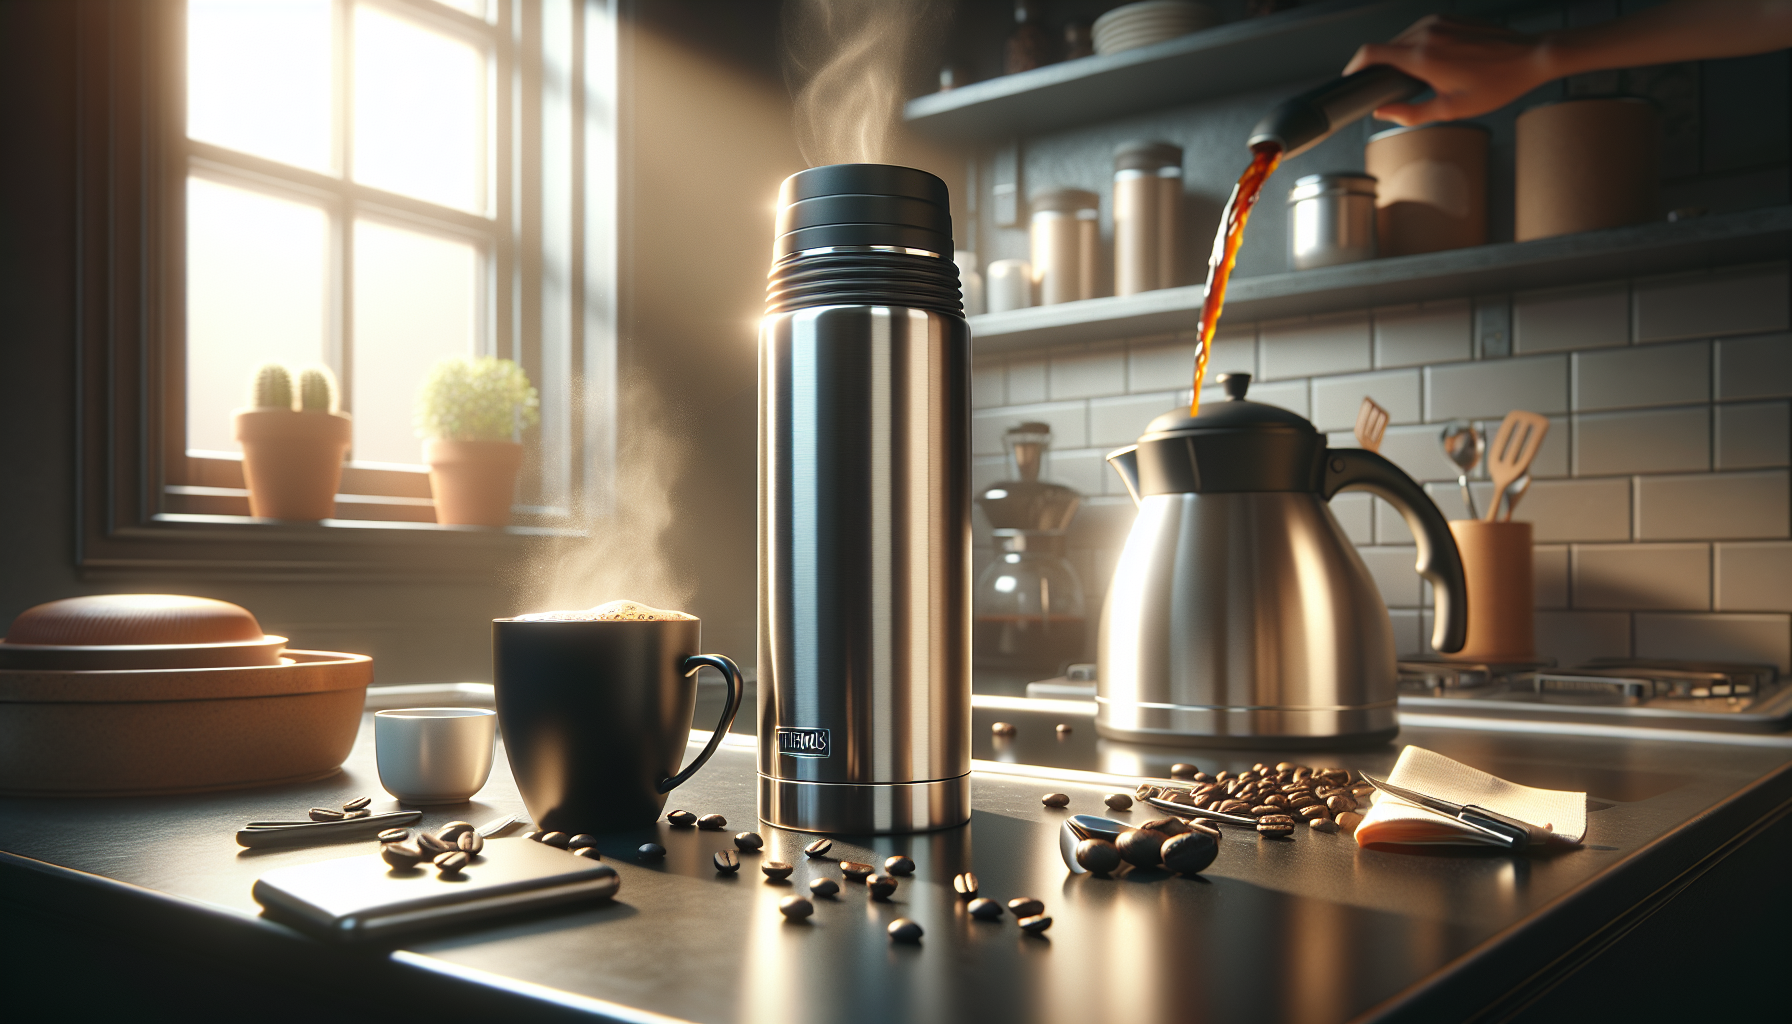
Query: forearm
[(1680, 30)]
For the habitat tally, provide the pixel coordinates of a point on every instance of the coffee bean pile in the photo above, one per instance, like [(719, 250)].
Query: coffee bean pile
[(356, 808), (1173, 844), (1279, 797), (450, 848)]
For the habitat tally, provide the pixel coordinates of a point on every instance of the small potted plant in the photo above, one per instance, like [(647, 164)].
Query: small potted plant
[(293, 445), (471, 414)]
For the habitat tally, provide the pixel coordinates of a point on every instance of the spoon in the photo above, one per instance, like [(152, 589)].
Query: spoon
[(1079, 827), (1519, 486), (1463, 445)]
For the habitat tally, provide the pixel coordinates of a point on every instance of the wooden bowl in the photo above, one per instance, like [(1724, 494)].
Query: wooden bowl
[(136, 732), (137, 631)]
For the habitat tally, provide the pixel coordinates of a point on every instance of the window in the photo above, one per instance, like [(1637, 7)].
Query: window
[(374, 185)]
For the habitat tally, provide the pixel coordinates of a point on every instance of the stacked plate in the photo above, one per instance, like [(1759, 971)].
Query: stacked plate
[(1153, 21)]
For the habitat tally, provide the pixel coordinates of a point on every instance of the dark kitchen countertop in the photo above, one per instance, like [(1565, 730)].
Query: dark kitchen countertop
[(1364, 934)]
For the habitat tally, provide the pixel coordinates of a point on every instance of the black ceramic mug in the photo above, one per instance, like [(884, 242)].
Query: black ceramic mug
[(596, 715)]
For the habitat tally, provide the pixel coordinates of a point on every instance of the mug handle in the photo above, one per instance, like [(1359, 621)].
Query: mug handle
[(736, 690)]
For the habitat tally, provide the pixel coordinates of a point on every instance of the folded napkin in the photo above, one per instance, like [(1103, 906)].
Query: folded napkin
[(1393, 820)]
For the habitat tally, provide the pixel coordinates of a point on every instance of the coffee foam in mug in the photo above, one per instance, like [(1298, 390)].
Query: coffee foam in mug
[(610, 611)]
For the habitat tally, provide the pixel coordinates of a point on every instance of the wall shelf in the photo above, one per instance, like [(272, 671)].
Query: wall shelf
[(1238, 57), (1726, 239)]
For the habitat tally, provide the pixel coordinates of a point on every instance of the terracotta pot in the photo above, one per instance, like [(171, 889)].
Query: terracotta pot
[(292, 461), (1496, 562), (1432, 188), (1584, 165), (474, 482)]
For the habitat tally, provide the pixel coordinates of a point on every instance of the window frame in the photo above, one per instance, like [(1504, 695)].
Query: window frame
[(133, 158)]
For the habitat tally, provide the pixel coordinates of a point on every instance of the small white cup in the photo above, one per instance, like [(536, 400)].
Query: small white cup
[(434, 755), (1010, 285)]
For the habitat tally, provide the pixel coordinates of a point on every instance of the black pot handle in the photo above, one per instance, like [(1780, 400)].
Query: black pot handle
[(736, 690), (1439, 561)]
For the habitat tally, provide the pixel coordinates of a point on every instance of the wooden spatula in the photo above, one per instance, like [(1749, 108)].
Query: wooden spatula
[(1510, 455), (1371, 424)]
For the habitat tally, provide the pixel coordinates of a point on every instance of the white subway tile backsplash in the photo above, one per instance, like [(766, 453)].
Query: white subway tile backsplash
[(1657, 576), (1392, 569), (1416, 450), (1118, 421), (1561, 319), (1573, 638), (1576, 510), (1336, 400), (1161, 367), (1495, 387), (1089, 373), (1068, 421), (1754, 577), (1353, 512), (989, 385), (1650, 441), (1713, 506), (1289, 394), (1438, 332), (1552, 458), (1716, 637), (1634, 378), (1706, 305), (1026, 381), (1758, 367), (1408, 632), (1084, 470), (1754, 435), (1301, 348), (1549, 575)]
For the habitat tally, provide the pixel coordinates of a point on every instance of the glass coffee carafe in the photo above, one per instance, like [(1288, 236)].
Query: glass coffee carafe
[(1027, 609)]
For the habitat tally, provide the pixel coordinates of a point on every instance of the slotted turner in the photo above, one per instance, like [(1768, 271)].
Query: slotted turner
[(1371, 424), (1510, 455)]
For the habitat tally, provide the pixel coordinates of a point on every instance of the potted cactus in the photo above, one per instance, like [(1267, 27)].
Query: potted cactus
[(293, 444), (471, 414)]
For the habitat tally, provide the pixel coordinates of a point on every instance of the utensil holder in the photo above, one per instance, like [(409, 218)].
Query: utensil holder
[(1496, 560)]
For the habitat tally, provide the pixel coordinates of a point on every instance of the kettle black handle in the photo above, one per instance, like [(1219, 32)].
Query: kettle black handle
[(1439, 561)]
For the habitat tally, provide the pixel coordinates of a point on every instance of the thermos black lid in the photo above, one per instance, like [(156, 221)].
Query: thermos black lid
[(863, 204)]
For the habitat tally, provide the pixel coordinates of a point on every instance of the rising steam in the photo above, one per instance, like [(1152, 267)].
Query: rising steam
[(848, 61)]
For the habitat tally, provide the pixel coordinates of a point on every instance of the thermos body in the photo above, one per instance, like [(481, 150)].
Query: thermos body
[(864, 569)]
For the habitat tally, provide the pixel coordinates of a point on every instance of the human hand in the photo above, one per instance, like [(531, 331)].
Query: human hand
[(1473, 67)]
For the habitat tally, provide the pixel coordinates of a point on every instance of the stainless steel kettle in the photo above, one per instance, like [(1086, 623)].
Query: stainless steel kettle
[(1239, 613)]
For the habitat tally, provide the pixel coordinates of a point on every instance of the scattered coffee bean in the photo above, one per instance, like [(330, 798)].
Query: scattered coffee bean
[(748, 842), (534, 836), (588, 852), (1300, 798), (357, 803), (1275, 826), (1191, 852), (326, 814), (650, 851), (431, 845), (1323, 825), (1025, 906), (401, 855), (727, 861), (984, 909), (855, 871), (1204, 827), (1168, 826), (712, 822), (819, 848), (394, 835), (1036, 924), (795, 908), (1223, 777), (683, 819), (1341, 803), (1117, 801), (580, 841), (1183, 771), (1233, 807), (1141, 846), (901, 866), (824, 887), (1349, 820), (1098, 855), (1202, 777), (556, 839), (1261, 809), (776, 870), (1003, 729), (1276, 800), (1362, 792), (881, 886), (904, 930), (1311, 811), (1064, 729), (362, 813), (1286, 766), (450, 832), (452, 862), (965, 885), (1055, 800), (471, 843)]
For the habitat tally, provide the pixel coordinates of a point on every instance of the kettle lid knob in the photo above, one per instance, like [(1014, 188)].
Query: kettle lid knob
[(1236, 384)]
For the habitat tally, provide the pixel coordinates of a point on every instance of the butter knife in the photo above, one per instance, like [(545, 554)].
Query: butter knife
[(1518, 835)]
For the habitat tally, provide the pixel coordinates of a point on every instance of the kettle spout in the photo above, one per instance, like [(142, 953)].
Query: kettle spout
[(1126, 463)]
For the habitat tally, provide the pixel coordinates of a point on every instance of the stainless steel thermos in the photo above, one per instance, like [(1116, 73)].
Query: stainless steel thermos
[(864, 509)]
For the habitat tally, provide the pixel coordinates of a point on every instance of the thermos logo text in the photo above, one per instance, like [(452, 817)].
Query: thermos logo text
[(803, 742)]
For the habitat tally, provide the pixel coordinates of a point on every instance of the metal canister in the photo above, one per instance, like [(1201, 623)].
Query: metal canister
[(1147, 216), (1331, 219), (864, 509), (1066, 236)]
